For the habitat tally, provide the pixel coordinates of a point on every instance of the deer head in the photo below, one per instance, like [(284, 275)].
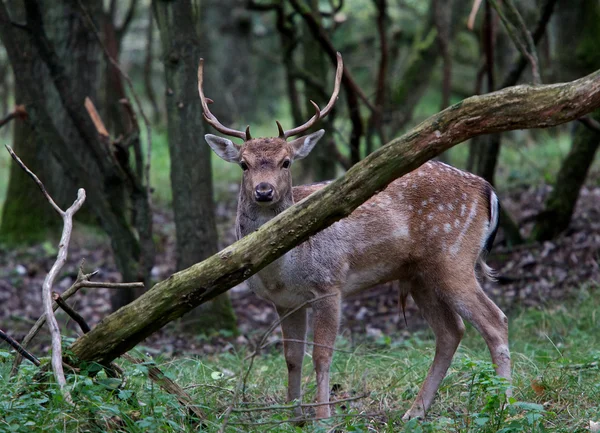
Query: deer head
[(266, 162)]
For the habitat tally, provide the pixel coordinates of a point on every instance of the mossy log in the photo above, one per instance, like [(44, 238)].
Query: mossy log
[(512, 108)]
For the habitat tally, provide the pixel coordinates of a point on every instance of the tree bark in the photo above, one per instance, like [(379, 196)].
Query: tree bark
[(25, 217), (513, 108), (67, 131), (191, 176), (319, 164), (577, 53)]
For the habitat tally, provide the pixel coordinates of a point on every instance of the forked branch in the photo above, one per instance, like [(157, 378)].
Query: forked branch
[(67, 217)]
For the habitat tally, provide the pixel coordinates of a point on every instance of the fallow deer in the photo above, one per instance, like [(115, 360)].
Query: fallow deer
[(430, 229)]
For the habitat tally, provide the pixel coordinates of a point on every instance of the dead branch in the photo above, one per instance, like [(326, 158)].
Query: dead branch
[(91, 26), (71, 312), (244, 379), (67, 217), (40, 322), (513, 24), (473, 14), (540, 29), (35, 179), (18, 113), (156, 375), (294, 406), (121, 29), (590, 123), (300, 419), (20, 349), (82, 281)]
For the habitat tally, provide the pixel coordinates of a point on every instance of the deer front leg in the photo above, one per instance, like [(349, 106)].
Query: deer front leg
[(293, 327), (326, 315)]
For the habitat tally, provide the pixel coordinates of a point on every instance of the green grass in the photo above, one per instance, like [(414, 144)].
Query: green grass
[(556, 385)]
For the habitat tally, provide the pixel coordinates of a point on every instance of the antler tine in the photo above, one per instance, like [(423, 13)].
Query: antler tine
[(320, 113), (211, 118), (287, 134), (336, 88)]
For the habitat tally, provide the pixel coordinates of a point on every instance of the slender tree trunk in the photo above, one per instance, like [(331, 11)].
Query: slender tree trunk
[(319, 164), (578, 53), (26, 216), (191, 176)]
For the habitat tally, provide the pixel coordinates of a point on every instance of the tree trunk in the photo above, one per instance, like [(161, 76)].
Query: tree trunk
[(55, 106), (513, 108), (560, 204), (26, 215), (191, 176), (577, 53), (318, 165)]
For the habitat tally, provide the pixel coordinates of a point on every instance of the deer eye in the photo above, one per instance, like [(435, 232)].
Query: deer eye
[(244, 166), (286, 163)]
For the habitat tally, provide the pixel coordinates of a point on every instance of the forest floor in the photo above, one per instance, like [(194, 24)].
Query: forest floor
[(529, 275)]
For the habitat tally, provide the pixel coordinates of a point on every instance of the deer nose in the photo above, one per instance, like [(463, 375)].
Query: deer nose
[(264, 192)]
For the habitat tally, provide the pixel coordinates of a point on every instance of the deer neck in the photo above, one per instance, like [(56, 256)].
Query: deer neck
[(250, 215)]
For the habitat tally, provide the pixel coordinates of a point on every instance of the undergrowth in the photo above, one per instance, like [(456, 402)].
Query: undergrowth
[(555, 351)]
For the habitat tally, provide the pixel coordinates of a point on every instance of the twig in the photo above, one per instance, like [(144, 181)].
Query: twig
[(294, 406), (105, 285), (20, 349), (72, 313), (473, 14), (67, 217), (527, 49), (18, 113), (540, 29), (300, 419), (244, 379), (116, 65), (81, 282), (35, 179), (310, 343), (590, 123), (169, 386)]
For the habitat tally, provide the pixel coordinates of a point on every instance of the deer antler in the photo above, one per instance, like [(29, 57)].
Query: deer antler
[(320, 113), (211, 118)]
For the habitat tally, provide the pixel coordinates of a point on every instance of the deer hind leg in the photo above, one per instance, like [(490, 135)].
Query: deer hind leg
[(448, 328), (326, 318), (293, 327), (474, 306)]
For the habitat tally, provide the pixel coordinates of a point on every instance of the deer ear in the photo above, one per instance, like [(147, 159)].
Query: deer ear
[(303, 145), (224, 147)]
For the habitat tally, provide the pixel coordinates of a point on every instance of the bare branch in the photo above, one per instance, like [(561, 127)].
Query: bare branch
[(91, 26), (473, 14), (71, 312), (20, 349), (540, 29), (528, 49), (37, 181), (18, 113), (67, 217), (294, 406), (122, 29), (590, 123)]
